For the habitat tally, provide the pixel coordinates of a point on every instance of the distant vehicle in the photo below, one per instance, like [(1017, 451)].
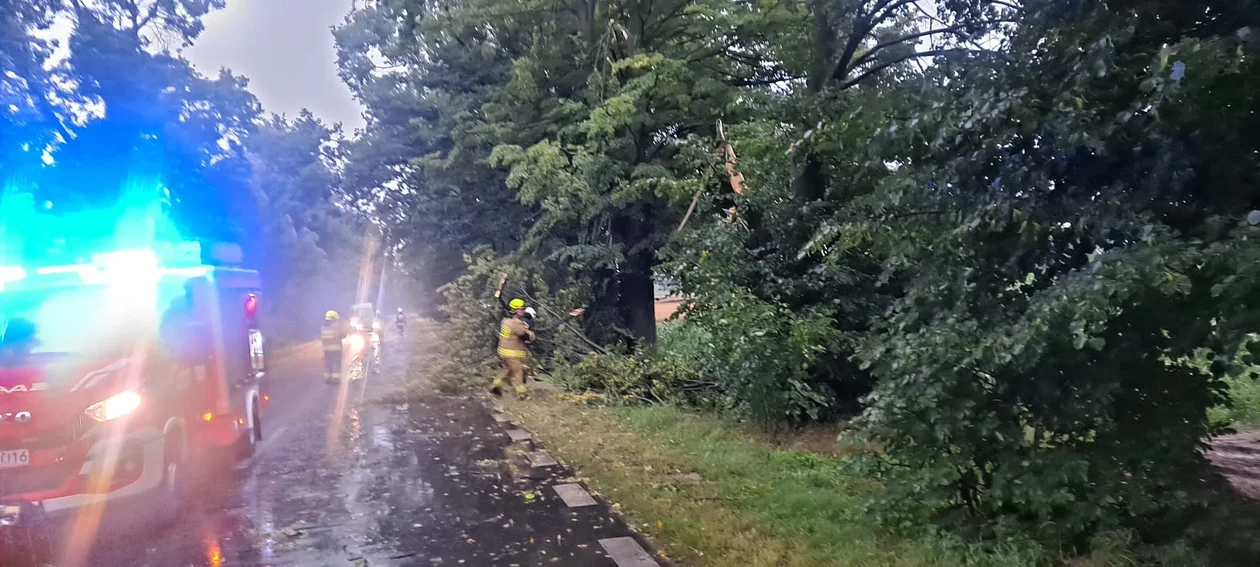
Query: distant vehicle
[(121, 375), (363, 318)]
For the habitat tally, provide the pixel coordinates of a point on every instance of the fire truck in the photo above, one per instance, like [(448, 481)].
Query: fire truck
[(363, 318), (121, 374)]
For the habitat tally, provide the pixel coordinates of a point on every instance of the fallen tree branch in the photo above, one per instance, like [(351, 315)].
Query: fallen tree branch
[(564, 323)]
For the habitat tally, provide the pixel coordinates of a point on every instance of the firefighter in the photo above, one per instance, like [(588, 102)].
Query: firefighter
[(400, 321), (513, 334), (331, 335)]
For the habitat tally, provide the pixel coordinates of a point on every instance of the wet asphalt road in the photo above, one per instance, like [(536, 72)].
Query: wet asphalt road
[(344, 478)]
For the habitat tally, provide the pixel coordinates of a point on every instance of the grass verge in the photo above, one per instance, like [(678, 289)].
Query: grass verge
[(1244, 410), (712, 494)]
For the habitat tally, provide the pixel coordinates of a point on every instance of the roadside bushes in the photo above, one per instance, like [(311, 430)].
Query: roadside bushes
[(624, 378), (1062, 238), (472, 317), (1243, 408), (759, 356), (1018, 256), (742, 355)]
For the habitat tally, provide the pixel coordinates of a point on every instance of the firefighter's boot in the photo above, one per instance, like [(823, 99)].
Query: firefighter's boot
[(520, 392), (496, 387)]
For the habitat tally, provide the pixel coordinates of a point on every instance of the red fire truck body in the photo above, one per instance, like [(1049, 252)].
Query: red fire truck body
[(117, 375)]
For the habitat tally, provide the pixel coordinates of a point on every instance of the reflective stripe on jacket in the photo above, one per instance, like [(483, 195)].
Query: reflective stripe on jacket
[(509, 353), (512, 333), (330, 337)]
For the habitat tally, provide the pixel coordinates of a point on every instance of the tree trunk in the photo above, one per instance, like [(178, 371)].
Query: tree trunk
[(636, 308), (809, 185), (638, 298)]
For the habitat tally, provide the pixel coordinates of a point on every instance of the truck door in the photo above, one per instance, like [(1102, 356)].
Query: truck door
[(186, 338)]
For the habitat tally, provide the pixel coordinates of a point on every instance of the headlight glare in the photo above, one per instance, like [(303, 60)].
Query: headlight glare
[(114, 407)]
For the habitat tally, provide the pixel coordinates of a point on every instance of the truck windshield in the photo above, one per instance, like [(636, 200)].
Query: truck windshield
[(43, 324)]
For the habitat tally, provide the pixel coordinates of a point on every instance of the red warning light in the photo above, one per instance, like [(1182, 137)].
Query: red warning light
[(251, 304)]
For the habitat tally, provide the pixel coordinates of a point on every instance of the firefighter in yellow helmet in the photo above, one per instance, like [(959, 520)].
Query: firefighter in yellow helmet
[(513, 334), (330, 336)]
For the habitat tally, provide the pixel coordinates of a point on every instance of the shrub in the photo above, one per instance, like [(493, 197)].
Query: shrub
[(632, 379), (470, 335), (1243, 409), (759, 356)]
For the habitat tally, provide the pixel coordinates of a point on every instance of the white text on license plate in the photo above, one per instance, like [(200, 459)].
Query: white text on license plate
[(17, 458)]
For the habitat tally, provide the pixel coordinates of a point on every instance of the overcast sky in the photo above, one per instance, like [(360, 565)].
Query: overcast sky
[(285, 48)]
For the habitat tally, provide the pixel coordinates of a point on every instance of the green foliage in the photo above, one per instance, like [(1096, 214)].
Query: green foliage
[(25, 115), (1060, 240), (677, 339), (619, 378), (1242, 412), (1027, 263), (1241, 407), (419, 167), (123, 115), (759, 354), (309, 248), (470, 336)]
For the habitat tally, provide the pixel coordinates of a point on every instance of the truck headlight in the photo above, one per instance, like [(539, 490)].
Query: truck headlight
[(114, 407)]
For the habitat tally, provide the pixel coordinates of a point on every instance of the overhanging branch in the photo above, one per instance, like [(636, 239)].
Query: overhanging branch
[(887, 64), (863, 25), (866, 56)]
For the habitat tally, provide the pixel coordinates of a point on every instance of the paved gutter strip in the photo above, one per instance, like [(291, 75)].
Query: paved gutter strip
[(574, 495), (624, 551), (542, 459), (627, 552)]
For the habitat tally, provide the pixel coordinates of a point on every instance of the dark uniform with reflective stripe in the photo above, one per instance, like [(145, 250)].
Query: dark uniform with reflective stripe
[(330, 337)]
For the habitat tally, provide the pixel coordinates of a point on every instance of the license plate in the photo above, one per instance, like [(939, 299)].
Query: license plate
[(14, 459)]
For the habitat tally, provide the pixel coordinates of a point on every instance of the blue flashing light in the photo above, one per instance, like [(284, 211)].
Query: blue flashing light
[(193, 272), (68, 269), (142, 261), (88, 273), (10, 274), (125, 267)]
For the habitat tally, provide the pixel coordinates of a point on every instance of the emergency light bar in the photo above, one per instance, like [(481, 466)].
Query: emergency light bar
[(11, 274), (137, 264)]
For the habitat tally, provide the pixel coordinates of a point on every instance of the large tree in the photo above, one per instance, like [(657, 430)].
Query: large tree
[(1068, 229), (160, 123), (413, 167), (26, 118), (309, 244)]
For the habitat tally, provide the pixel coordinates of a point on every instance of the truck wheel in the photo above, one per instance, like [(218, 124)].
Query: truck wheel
[(249, 444), (174, 487)]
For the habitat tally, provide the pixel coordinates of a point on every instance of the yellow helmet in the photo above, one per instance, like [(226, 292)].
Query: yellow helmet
[(517, 303), (331, 315)]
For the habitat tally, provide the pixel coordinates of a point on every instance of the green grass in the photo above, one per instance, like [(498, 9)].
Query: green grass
[(753, 503), (1244, 413)]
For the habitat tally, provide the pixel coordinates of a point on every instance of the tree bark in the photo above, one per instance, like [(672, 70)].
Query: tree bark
[(638, 298)]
